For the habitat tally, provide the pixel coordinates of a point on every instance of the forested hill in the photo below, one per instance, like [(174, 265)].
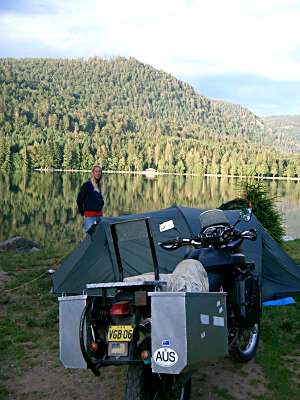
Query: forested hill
[(71, 113), (85, 95), (285, 125), (268, 126)]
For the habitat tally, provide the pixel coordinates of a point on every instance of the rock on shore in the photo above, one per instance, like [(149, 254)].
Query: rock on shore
[(19, 244)]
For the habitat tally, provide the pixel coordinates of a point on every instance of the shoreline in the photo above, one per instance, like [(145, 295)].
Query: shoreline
[(154, 174)]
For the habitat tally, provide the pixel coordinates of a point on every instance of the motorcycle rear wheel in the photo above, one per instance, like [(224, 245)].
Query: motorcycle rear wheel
[(246, 343), (142, 384)]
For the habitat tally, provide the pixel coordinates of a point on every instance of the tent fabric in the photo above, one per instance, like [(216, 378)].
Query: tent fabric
[(281, 276), (94, 260)]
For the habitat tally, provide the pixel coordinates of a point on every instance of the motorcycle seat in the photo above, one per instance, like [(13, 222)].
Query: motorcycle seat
[(217, 260)]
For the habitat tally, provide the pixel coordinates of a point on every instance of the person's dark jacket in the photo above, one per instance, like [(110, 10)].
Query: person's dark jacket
[(89, 199)]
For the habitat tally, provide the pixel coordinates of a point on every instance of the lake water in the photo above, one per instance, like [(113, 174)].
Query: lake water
[(42, 206)]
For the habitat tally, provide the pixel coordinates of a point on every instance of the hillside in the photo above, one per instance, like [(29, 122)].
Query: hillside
[(57, 113), (88, 90), (269, 127), (287, 126)]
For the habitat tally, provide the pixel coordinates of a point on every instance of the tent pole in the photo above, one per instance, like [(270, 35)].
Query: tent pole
[(117, 251), (153, 252)]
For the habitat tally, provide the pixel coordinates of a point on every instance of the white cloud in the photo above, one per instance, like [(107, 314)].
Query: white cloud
[(185, 38)]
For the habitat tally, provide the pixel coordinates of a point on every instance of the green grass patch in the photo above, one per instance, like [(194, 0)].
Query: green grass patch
[(29, 311), (280, 338), (293, 248), (3, 392), (223, 393)]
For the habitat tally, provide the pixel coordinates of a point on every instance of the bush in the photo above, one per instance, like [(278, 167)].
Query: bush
[(255, 194), (264, 207)]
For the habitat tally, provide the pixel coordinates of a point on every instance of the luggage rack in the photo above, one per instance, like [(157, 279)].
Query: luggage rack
[(124, 284), (154, 285)]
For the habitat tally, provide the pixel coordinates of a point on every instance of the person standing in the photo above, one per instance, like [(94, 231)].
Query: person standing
[(89, 200)]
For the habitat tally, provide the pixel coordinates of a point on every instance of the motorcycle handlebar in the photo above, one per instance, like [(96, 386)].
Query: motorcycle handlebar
[(249, 235), (231, 235), (175, 243)]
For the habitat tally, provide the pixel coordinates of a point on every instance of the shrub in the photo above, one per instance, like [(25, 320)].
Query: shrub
[(255, 194)]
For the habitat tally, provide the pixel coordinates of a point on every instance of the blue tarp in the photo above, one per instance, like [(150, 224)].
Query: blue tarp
[(279, 302)]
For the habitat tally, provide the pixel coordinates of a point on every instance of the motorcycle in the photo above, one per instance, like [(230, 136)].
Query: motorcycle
[(217, 248), (116, 327)]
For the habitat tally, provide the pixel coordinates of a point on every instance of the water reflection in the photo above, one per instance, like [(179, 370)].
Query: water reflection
[(43, 205)]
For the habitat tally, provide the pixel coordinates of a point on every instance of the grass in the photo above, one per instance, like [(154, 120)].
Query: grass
[(223, 393), (28, 315), (29, 324), (280, 338)]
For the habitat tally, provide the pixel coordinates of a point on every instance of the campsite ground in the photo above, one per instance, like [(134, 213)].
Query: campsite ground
[(29, 366)]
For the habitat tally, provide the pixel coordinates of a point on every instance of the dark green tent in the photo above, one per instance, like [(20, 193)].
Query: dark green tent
[(94, 260)]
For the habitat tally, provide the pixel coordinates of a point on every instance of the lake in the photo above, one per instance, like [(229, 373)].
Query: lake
[(42, 206)]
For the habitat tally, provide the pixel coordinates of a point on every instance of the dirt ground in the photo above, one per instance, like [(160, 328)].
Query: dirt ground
[(49, 380)]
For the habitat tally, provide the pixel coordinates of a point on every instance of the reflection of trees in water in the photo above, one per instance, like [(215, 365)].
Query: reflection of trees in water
[(36, 207), (287, 194), (43, 205), (136, 194)]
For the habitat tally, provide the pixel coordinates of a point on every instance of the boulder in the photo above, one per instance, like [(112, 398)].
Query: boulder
[(19, 244)]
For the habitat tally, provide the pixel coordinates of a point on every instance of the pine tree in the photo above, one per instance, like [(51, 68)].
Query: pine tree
[(264, 207), (86, 157)]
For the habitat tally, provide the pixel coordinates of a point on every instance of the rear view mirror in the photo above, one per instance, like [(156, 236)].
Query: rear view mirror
[(246, 214)]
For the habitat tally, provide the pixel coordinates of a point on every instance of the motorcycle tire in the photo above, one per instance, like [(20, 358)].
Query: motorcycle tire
[(142, 384), (246, 344)]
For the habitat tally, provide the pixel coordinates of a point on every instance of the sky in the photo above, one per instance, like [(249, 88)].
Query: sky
[(245, 52)]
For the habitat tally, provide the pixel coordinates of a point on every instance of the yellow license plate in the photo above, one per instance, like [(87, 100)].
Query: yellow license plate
[(120, 333)]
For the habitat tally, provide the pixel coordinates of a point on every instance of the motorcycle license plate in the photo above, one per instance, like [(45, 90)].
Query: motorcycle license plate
[(120, 333)]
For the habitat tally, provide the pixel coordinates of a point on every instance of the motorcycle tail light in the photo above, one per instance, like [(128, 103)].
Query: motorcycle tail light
[(120, 308), (146, 357), (93, 347), (145, 354)]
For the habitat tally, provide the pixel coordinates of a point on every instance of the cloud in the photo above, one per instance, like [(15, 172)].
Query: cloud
[(188, 38), (194, 37)]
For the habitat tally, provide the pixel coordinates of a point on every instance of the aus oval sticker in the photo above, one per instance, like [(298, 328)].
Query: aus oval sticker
[(165, 357)]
